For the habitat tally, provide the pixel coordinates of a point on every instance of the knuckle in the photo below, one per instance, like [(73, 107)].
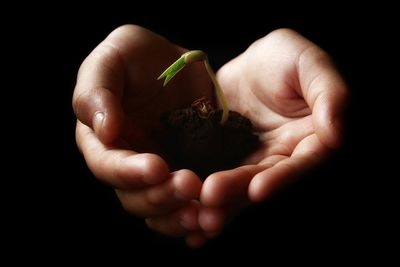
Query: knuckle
[(129, 28), (154, 200), (158, 196), (120, 175), (127, 205), (132, 208), (79, 101), (126, 202), (105, 53), (283, 33), (136, 205)]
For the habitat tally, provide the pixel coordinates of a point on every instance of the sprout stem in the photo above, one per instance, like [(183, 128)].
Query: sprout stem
[(219, 92), (195, 56)]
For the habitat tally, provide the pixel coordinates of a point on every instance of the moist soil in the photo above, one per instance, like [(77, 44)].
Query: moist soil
[(195, 139)]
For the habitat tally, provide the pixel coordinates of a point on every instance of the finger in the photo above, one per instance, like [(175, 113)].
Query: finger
[(231, 186), (227, 187), (325, 92), (161, 199), (124, 169), (177, 223), (212, 220), (307, 154), (103, 74), (98, 91)]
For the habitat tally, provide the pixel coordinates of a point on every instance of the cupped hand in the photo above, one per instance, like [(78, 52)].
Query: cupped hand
[(285, 84), (118, 103), (289, 88)]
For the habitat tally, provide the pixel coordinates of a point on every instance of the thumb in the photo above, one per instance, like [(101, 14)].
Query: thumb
[(326, 93), (328, 116), (97, 94), (100, 110)]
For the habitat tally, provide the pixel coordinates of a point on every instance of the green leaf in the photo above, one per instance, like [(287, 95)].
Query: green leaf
[(191, 57), (172, 70)]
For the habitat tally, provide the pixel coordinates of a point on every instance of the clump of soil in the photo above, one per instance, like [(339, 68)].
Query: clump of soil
[(195, 139)]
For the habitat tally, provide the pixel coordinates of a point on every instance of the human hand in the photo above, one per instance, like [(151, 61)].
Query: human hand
[(122, 149), (118, 103), (290, 90)]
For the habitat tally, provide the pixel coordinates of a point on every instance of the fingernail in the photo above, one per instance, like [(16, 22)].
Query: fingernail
[(98, 122)]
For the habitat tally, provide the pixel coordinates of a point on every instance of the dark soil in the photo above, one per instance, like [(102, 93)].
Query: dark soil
[(195, 139)]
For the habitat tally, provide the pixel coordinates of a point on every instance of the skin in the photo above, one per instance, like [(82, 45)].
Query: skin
[(285, 84)]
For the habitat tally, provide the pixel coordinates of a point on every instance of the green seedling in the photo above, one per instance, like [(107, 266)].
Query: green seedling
[(191, 57)]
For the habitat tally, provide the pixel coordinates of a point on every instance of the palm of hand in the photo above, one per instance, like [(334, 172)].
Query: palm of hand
[(145, 99), (283, 120), (268, 93)]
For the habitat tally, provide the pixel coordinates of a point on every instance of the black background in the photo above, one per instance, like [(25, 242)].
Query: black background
[(340, 211)]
